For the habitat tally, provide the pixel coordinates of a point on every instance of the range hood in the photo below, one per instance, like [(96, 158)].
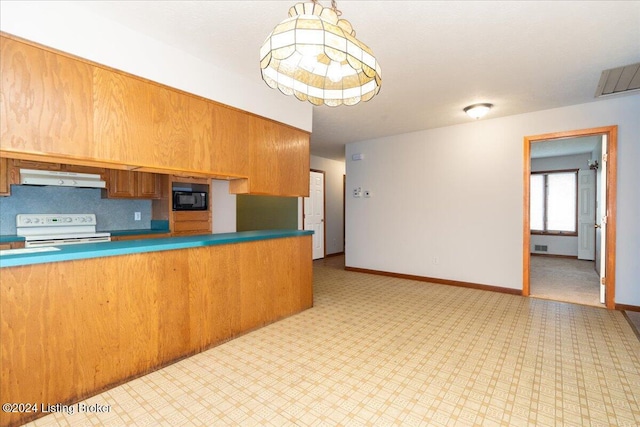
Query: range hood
[(60, 179)]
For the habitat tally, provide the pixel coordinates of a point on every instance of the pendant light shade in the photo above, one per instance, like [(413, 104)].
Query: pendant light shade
[(315, 56)]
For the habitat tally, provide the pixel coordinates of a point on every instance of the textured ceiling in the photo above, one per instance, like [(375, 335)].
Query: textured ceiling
[(436, 57)]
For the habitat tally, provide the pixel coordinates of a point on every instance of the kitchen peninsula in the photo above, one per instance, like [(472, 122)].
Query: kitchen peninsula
[(82, 318)]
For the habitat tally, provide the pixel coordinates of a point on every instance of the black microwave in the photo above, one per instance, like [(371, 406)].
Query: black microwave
[(190, 201)]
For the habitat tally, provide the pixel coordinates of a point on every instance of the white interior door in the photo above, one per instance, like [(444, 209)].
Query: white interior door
[(586, 214), (314, 212), (603, 221)]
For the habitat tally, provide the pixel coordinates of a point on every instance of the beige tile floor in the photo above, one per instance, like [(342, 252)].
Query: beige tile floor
[(378, 351)]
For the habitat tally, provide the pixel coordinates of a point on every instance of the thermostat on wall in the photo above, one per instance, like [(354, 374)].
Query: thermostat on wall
[(358, 156)]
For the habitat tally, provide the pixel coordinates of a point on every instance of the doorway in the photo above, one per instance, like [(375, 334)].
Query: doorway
[(313, 208), (609, 171)]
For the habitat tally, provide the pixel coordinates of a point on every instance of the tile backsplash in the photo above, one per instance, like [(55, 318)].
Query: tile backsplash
[(111, 214)]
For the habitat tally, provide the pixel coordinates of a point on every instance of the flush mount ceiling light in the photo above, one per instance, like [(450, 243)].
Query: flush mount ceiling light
[(478, 110), (315, 56)]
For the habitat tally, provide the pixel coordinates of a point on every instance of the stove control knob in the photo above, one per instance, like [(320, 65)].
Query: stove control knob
[(60, 182), (67, 219), (27, 220), (36, 220)]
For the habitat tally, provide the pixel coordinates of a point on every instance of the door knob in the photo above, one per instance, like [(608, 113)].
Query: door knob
[(596, 225)]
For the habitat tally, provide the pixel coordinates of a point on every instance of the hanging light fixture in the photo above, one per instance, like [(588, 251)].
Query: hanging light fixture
[(477, 111), (315, 56)]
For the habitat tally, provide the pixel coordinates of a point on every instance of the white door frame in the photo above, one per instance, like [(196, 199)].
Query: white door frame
[(611, 133)]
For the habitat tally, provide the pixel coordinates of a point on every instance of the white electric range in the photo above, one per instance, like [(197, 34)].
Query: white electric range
[(58, 229)]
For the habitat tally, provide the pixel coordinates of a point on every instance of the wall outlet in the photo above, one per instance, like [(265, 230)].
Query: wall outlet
[(435, 260), (137, 216), (357, 192)]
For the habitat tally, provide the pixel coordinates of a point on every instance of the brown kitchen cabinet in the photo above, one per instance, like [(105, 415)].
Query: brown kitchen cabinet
[(11, 245), (68, 109), (125, 184), (183, 223), (279, 159), (5, 188), (191, 222), (51, 105)]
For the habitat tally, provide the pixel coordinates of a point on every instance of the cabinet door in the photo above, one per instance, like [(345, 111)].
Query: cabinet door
[(279, 159), (45, 101), (231, 136), (148, 185), (5, 189), (171, 132), (122, 184), (122, 118)]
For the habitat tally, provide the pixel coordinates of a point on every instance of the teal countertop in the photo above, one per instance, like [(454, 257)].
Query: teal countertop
[(12, 238), (125, 247)]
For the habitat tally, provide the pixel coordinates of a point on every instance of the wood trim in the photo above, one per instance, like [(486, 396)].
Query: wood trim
[(554, 255), (611, 132), (334, 254), (554, 171), (560, 234), (438, 281), (626, 316), (626, 307), (611, 212), (526, 221)]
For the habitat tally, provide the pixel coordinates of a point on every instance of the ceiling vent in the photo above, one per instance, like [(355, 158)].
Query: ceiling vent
[(618, 80)]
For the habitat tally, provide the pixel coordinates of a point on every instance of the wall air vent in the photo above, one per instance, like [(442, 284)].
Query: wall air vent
[(619, 80), (540, 248)]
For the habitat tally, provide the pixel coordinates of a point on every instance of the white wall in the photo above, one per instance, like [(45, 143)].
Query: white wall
[(558, 245), (334, 219), (447, 202), (68, 27), (223, 208)]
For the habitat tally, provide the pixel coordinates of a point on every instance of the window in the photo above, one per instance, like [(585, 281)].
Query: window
[(554, 202)]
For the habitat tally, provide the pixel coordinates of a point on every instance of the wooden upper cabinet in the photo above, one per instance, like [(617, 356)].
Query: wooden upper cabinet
[(57, 107), (279, 159), (140, 123), (122, 118), (149, 185), (5, 188), (134, 185), (122, 184), (45, 101), (231, 142)]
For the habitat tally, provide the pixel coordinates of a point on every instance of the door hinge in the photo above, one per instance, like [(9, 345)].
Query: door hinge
[(603, 280), (605, 157), (604, 219)]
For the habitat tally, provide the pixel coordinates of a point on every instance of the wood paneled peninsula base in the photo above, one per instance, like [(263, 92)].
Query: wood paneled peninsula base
[(71, 329)]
